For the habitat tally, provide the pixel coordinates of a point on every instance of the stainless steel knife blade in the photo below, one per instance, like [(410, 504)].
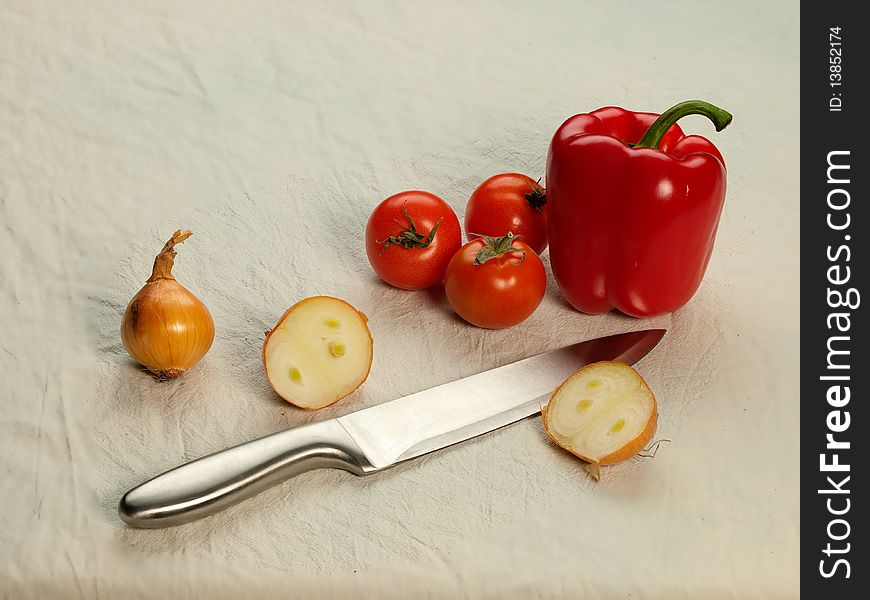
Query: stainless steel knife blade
[(375, 438), (456, 411)]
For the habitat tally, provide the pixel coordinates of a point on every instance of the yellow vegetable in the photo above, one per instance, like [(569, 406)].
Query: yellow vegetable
[(604, 413), (319, 352), (165, 327)]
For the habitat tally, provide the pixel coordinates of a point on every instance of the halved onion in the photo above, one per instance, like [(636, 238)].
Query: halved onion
[(604, 414), (319, 352)]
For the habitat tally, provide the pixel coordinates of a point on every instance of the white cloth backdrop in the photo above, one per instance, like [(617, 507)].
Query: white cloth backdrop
[(271, 130)]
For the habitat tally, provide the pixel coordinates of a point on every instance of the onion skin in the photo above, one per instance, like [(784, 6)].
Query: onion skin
[(166, 328), (624, 453), (628, 450), (636, 445)]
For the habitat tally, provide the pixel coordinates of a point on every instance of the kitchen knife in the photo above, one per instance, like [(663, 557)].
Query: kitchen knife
[(372, 439)]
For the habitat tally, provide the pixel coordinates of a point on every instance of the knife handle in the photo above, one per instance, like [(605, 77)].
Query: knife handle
[(212, 483)]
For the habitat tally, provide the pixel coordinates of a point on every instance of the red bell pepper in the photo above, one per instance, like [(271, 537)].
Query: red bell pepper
[(633, 208)]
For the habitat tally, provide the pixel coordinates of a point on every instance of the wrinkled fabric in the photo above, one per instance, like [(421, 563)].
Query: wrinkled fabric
[(272, 132)]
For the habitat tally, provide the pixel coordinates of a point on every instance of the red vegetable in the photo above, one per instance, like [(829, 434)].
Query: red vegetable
[(410, 238), (495, 282), (633, 208), (509, 202)]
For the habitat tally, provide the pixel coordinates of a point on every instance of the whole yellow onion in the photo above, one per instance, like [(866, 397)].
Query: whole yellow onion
[(165, 327)]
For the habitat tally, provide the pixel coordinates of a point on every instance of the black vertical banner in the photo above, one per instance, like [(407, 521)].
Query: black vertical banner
[(835, 225)]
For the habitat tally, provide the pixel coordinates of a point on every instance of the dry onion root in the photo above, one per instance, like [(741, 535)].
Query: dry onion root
[(604, 414), (165, 327), (319, 352)]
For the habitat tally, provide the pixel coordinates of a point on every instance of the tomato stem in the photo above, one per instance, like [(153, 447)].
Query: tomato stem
[(537, 198), (495, 247), (410, 237)]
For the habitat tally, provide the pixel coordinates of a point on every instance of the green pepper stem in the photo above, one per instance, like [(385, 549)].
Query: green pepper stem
[(653, 136)]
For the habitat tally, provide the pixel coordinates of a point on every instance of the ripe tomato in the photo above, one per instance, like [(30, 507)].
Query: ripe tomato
[(495, 282), (509, 202), (410, 238)]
